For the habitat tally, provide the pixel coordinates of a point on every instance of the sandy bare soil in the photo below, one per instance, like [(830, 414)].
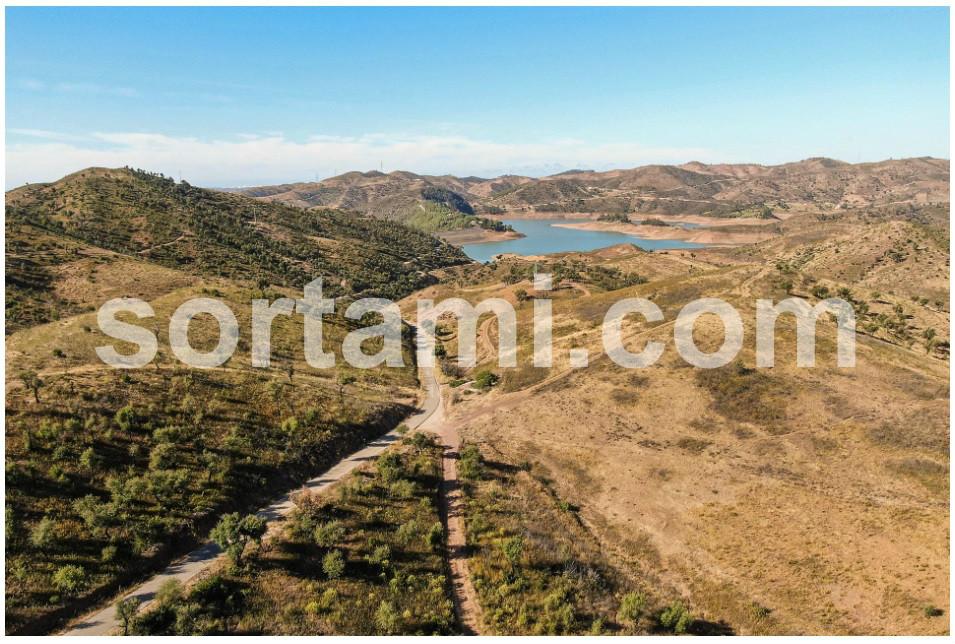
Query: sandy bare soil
[(477, 236), (714, 235)]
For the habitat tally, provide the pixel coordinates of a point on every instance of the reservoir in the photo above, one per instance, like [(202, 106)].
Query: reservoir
[(542, 237)]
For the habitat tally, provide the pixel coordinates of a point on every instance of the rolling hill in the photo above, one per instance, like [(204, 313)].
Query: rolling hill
[(816, 184), (52, 228)]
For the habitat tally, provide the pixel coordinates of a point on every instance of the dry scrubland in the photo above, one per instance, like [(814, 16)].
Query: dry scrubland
[(773, 501), (112, 474), (115, 472), (605, 500), (365, 559)]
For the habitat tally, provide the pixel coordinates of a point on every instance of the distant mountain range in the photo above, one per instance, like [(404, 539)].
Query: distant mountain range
[(725, 190)]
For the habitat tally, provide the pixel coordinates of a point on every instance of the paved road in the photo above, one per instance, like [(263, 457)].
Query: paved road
[(104, 622)]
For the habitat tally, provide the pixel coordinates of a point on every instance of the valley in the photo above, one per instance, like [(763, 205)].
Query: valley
[(494, 500)]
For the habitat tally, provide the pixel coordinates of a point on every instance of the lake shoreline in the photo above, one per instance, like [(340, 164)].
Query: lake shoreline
[(545, 237)]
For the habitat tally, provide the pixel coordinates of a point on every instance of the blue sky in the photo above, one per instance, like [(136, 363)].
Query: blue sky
[(245, 96)]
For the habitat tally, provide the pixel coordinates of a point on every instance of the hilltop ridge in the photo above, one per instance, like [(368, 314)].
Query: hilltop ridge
[(816, 184)]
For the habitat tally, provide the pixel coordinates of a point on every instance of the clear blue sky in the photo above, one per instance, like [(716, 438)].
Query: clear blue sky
[(239, 96)]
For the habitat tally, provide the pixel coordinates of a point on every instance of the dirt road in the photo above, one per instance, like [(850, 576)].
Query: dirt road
[(466, 605), (104, 622)]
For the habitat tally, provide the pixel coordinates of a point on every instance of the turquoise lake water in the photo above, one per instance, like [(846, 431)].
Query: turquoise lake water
[(542, 237)]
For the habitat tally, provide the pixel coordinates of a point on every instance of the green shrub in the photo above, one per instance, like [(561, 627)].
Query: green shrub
[(126, 610), (126, 418), (469, 463), (380, 556), (70, 579), (435, 536), (333, 564), (387, 620), (403, 489), (485, 380), (89, 461), (328, 599), (390, 467), (933, 611), (329, 534), (675, 618), (632, 607), (42, 534), (169, 592), (407, 531), (513, 549), (421, 441)]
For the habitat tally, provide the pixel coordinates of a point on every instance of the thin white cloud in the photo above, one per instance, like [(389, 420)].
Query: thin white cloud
[(69, 87), (272, 158), (46, 134)]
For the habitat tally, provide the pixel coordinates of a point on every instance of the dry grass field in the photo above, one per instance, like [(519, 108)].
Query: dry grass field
[(783, 500)]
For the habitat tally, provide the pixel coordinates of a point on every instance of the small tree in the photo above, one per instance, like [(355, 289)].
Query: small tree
[(234, 531), (333, 564), (33, 382), (126, 610)]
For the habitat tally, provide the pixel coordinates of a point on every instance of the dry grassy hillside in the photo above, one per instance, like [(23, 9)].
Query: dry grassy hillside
[(784, 500), (111, 474), (725, 190)]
